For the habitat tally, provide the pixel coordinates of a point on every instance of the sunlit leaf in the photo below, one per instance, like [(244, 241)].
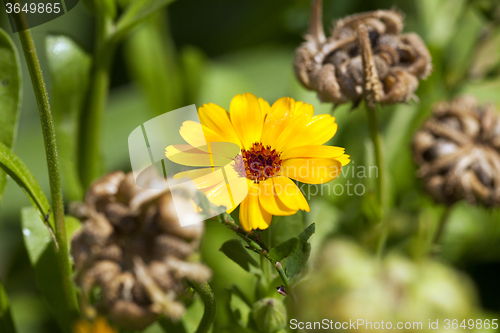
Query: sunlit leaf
[(70, 69), (298, 260), (10, 96), (43, 258), (20, 173), (235, 251), (284, 250)]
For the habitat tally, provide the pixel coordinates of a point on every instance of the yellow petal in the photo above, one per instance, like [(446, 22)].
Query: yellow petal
[(217, 119), (312, 170), (344, 159), (252, 214), (269, 200), (194, 174), (296, 125), (247, 119), (304, 108), (289, 194), (190, 156), (318, 131), (278, 118), (197, 135), (226, 191), (202, 178), (313, 151), (218, 195), (264, 106)]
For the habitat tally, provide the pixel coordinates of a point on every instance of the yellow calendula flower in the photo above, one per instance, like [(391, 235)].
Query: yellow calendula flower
[(100, 325), (276, 143)]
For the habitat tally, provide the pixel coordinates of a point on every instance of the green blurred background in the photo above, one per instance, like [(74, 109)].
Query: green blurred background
[(200, 51)]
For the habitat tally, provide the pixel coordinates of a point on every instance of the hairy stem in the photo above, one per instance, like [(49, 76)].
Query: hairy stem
[(49, 138), (208, 297)]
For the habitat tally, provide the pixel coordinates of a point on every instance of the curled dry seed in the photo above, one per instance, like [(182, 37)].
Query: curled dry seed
[(366, 57), (133, 249), (458, 152)]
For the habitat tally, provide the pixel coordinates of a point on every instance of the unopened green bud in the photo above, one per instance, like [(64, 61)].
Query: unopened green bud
[(269, 315)]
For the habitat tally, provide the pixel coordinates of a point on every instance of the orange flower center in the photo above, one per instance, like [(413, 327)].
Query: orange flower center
[(259, 162)]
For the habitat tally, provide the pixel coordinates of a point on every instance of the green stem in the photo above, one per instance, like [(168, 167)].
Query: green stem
[(208, 297), (89, 154), (257, 246), (286, 282), (376, 137), (49, 137), (438, 235)]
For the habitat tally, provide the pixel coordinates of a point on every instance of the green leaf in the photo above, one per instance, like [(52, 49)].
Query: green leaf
[(43, 258), (285, 249), (18, 171), (240, 309), (284, 227), (136, 12), (235, 251), (69, 67), (298, 260), (10, 96), (6, 322)]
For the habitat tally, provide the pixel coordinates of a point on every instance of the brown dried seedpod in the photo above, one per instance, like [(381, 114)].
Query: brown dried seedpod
[(133, 249), (366, 56), (458, 151)]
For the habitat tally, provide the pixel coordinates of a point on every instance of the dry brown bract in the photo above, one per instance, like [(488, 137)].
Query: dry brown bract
[(365, 57), (132, 248), (458, 151)]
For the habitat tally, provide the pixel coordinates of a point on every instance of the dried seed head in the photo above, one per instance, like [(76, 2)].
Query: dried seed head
[(133, 250), (366, 57), (458, 151)]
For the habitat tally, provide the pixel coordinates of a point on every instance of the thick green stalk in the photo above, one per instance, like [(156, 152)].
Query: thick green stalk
[(207, 295), (89, 154), (49, 137)]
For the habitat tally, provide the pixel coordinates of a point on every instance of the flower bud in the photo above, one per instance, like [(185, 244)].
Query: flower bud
[(269, 315)]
